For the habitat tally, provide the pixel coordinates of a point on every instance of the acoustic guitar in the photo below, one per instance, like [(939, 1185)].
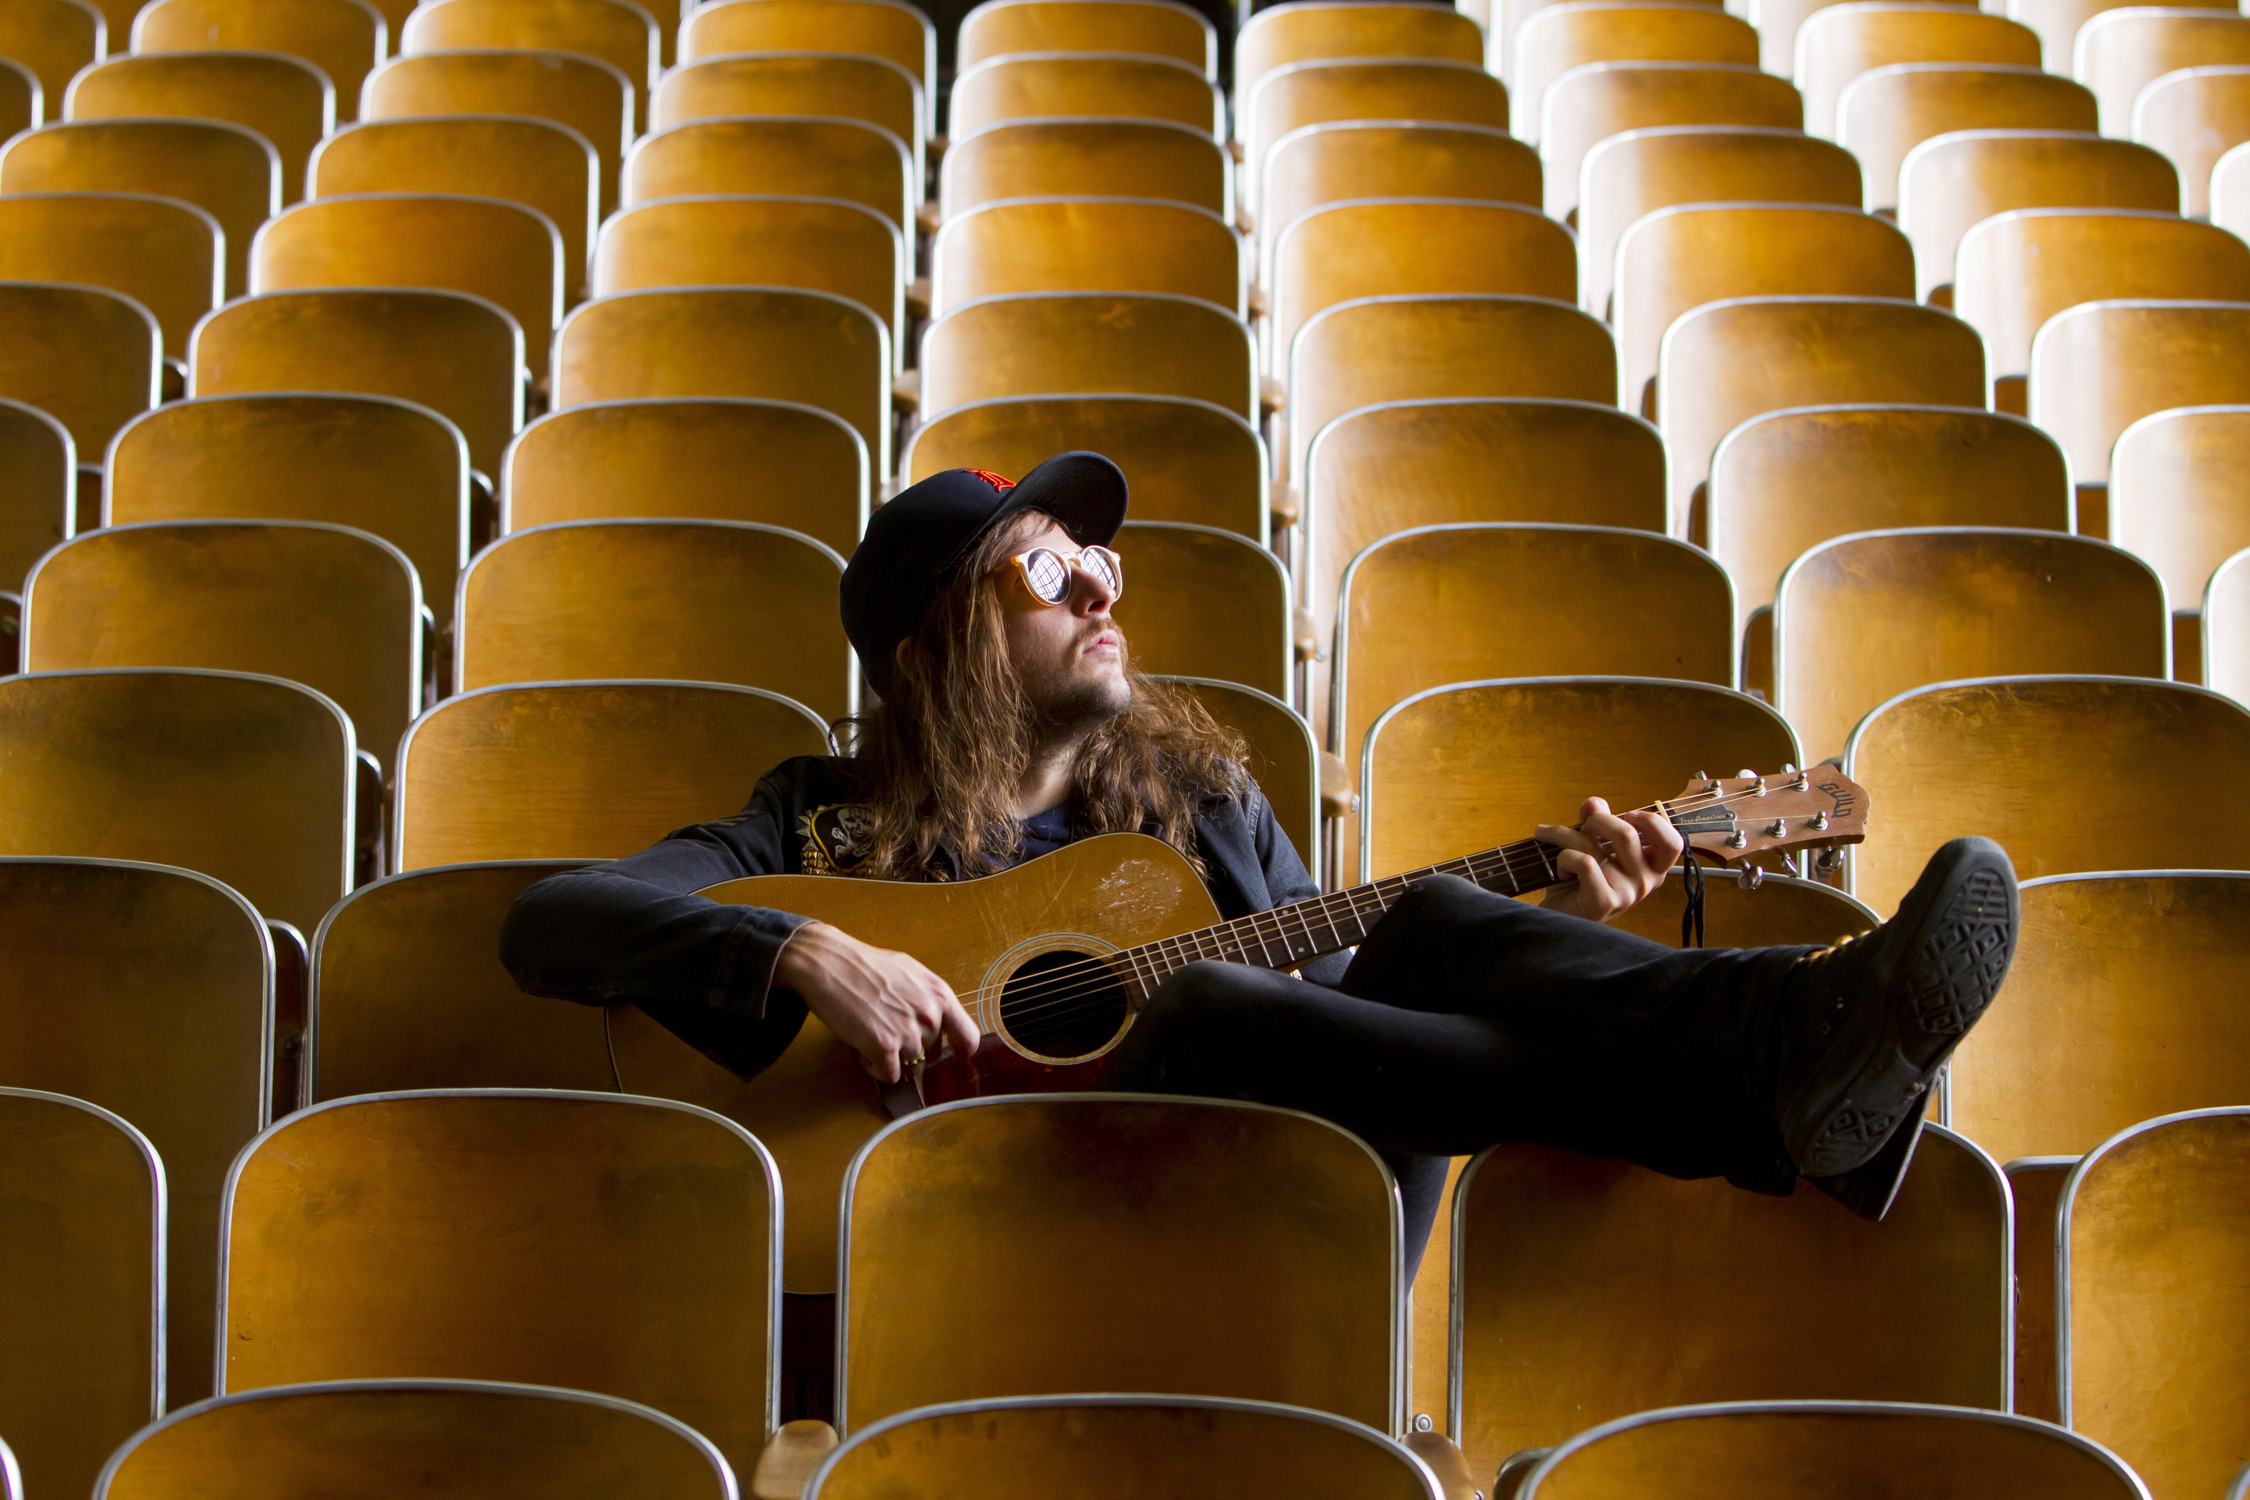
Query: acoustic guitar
[(1053, 958)]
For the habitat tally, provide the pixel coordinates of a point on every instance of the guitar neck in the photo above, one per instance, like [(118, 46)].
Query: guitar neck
[(1287, 936)]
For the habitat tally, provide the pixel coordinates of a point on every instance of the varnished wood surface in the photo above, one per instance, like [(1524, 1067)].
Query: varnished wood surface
[(2098, 369), (1603, 99), (169, 1025), (2121, 1006), (2045, 766), (2195, 119), (2117, 55), (1861, 619), (221, 168), (1952, 185), (1888, 111), (2155, 1349), (1283, 757), (1088, 343), (1185, 460), (1778, 1451), (286, 100), (815, 1107), (341, 39), (2036, 1184), (1121, 158), (1589, 1289), (1322, 31), (584, 93), (1336, 160), (1156, 30), (52, 39), (1726, 363), (453, 353), (856, 160), (1315, 91), (408, 992), (617, 35), (81, 1221), (449, 1440), (1205, 603), (1554, 39), (881, 28), (809, 347), (88, 358), (1121, 1448), (1087, 244), (380, 465), (1018, 1204), (2177, 494), (2058, 23), (1644, 170), (163, 253), (684, 456), (38, 470), (873, 89), (1833, 49), (584, 770), (698, 601), (1041, 85), (578, 1240), (2224, 629)]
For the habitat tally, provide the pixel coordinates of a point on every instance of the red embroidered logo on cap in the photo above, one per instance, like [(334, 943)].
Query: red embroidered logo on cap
[(1000, 482)]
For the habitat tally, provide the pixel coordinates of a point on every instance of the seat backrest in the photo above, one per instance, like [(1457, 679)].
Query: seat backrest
[(1725, 362), (1083, 85), (1013, 1202), (2195, 116), (1089, 343), (335, 609), (799, 154), (1556, 38), (685, 456), (2016, 270), (1387, 246), (407, 992), (2150, 1220), (889, 29), (1860, 619), (1745, 911), (458, 355), (52, 40), (343, 38), (583, 93), (544, 166), (285, 99), (2226, 629), (1350, 28), (693, 601), (1680, 258), (503, 251), (448, 1439), (2171, 496), (1408, 347), (20, 98), (584, 770), (1205, 602), (162, 252), (1766, 1450), (1520, 752), (508, 1235), (842, 85), (1993, 756), (1284, 760), (382, 465), (617, 32), (1585, 1290), (1639, 171), (2058, 23), (81, 1284), (1186, 460), (1884, 113), (227, 170), (1786, 481), (1115, 1447), (1119, 157), (1595, 101), (1085, 245), (771, 343), (1359, 88), (1157, 28), (2118, 1008), (2120, 52), (1336, 160), (38, 474), (1452, 603), (89, 358), (2098, 368), (1953, 181), (823, 244), (170, 1026), (1839, 42)]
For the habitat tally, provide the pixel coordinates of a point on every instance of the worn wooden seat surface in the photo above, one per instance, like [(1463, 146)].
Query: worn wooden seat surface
[(1119, 158), (1155, 28), (345, 39), (1595, 101), (820, 155), (2099, 367), (1556, 38), (285, 99), (1835, 46), (1884, 113), (1089, 343), (52, 40), (1083, 85), (1206, 602), (1075, 244), (571, 89), (38, 474)]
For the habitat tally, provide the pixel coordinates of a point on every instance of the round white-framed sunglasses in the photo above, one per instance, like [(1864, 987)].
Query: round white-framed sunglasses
[(1046, 572)]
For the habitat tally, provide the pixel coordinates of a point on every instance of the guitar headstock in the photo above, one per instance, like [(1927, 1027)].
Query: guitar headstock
[(1735, 818)]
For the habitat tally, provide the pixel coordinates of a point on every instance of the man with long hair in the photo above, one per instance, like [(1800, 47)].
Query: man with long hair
[(1011, 721)]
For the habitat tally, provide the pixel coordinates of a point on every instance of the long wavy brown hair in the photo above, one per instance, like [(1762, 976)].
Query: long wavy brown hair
[(940, 756)]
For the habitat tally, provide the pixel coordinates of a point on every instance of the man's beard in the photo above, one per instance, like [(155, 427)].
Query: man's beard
[(1073, 706)]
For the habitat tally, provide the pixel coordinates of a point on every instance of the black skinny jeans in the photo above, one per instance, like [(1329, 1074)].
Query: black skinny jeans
[(1469, 1020)]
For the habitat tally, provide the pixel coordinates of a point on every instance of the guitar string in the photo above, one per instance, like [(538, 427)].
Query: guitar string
[(1090, 977)]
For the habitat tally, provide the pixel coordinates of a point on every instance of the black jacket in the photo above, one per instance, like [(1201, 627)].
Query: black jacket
[(632, 930)]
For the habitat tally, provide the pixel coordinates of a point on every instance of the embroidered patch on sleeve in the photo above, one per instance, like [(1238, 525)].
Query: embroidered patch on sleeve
[(835, 838)]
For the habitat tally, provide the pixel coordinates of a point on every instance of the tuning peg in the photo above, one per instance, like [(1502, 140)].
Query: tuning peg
[(1788, 769)]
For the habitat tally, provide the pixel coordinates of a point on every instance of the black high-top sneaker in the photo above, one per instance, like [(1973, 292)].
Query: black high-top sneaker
[(1864, 1026)]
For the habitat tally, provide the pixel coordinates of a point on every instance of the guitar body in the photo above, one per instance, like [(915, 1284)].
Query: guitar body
[(815, 1107)]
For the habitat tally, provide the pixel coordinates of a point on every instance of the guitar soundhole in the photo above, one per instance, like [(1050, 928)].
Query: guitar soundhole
[(1062, 1005)]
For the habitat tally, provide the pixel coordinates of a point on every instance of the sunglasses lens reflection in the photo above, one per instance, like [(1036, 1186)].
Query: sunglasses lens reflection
[(1048, 575)]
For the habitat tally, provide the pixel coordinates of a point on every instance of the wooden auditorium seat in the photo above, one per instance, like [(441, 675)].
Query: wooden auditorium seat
[(1083, 86), (1087, 245), (1304, 33), (1835, 46), (1884, 113), (51, 40), (1156, 28), (2120, 52), (1333, 161), (582, 93), (2171, 502), (889, 29), (38, 474), (823, 155), (345, 39), (1357, 88), (1589, 104), (285, 99), (1556, 38), (617, 32), (1112, 158), (162, 252), (1089, 343), (2195, 116), (2058, 23), (1284, 760), (1209, 603)]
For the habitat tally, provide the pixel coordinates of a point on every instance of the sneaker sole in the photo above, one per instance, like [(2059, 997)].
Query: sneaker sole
[(1964, 938)]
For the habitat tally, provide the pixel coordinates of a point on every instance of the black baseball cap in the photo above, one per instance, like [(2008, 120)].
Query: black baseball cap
[(917, 540)]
